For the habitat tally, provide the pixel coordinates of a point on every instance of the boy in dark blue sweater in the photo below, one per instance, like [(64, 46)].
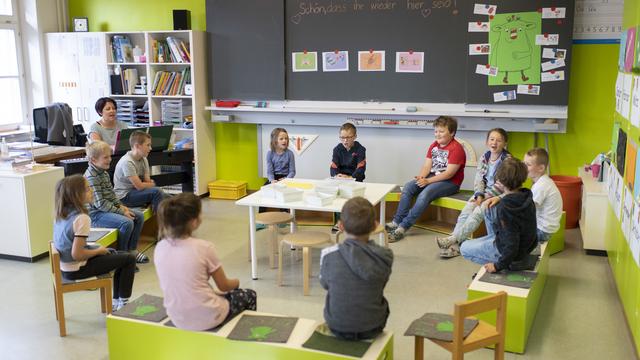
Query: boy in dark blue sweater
[(355, 273), (514, 224), (349, 158)]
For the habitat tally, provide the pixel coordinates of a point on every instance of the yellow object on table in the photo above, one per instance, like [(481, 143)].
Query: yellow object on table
[(227, 189), (299, 185)]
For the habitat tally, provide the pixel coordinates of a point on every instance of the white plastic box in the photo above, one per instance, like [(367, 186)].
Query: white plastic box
[(351, 190), (319, 199), (269, 191), (286, 195)]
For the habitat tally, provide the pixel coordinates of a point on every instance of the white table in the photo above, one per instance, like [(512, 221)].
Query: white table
[(375, 193)]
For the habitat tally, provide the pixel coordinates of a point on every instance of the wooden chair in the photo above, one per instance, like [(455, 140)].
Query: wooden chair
[(305, 240), (61, 286), (379, 229), (483, 335), (272, 219)]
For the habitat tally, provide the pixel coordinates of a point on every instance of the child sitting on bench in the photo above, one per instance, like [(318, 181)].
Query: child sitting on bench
[(184, 265)]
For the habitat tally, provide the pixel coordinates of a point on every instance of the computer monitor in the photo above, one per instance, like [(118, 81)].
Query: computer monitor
[(40, 125), (122, 140), (160, 138)]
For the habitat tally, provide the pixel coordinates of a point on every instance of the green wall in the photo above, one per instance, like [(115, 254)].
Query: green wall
[(625, 270), (590, 102), (136, 15)]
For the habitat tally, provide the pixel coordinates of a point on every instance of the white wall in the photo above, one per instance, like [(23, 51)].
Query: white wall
[(393, 155)]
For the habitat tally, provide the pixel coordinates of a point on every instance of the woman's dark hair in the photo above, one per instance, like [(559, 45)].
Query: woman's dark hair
[(102, 102)]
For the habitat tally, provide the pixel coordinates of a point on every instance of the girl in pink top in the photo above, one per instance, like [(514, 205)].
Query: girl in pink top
[(184, 265)]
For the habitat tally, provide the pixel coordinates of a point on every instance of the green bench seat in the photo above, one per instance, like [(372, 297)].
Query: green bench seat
[(126, 338), (522, 304), (112, 236)]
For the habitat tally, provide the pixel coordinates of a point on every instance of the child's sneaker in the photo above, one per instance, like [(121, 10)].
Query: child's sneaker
[(390, 226), (141, 258), (445, 242), (450, 252), (396, 235)]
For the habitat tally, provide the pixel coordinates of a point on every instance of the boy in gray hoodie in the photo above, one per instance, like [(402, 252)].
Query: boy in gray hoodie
[(355, 274)]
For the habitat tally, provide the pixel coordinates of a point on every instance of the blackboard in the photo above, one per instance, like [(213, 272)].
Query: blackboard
[(270, 30), (551, 93), (246, 49)]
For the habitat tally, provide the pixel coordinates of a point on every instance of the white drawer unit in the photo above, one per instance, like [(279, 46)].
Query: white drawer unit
[(27, 213), (594, 203)]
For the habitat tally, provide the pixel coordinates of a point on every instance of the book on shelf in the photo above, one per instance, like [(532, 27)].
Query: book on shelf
[(116, 84), (121, 48), (170, 50), (178, 50), (130, 80), (170, 83)]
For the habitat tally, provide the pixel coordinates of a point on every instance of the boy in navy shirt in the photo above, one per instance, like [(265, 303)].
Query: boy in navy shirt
[(349, 158)]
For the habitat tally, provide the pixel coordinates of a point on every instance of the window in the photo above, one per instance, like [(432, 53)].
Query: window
[(12, 91)]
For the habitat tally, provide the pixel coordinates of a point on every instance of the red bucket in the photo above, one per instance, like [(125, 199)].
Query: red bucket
[(571, 191)]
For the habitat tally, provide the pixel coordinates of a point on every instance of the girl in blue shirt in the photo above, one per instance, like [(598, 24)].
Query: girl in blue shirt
[(280, 160), (70, 231)]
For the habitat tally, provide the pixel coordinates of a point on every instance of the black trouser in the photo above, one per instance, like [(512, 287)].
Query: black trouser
[(356, 336), (122, 262)]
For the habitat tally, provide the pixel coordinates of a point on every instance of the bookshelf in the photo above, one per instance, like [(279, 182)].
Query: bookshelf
[(105, 62)]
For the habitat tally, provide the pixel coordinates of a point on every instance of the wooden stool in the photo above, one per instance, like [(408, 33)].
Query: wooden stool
[(378, 230), (305, 240), (272, 219)]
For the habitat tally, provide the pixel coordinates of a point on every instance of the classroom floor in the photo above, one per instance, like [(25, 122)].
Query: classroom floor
[(579, 317)]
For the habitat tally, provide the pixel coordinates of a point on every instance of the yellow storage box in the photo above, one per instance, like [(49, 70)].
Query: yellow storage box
[(227, 189)]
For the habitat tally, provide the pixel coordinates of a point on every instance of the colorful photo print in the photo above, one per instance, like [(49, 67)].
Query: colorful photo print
[(372, 60), (335, 61), (513, 48), (479, 49), (410, 61), (304, 61)]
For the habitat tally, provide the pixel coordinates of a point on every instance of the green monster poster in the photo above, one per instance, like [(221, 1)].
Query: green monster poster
[(513, 48)]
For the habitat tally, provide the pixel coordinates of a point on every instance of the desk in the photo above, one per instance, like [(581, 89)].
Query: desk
[(183, 158), (52, 154), (375, 193)]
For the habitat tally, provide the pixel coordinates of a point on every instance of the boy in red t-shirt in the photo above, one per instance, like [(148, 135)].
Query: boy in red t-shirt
[(441, 175)]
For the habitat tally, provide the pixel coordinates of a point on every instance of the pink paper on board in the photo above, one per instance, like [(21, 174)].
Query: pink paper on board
[(630, 47)]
